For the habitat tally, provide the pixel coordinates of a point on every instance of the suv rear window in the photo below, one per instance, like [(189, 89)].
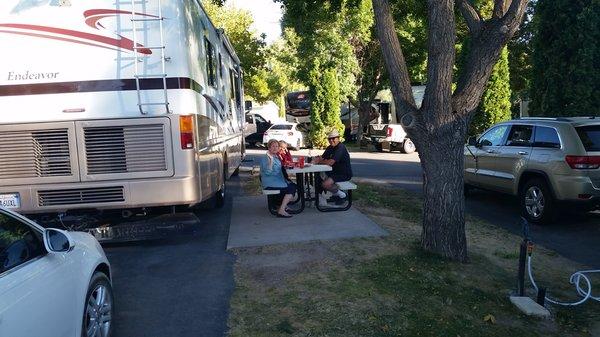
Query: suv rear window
[(590, 137), (546, 137), (282, 127)]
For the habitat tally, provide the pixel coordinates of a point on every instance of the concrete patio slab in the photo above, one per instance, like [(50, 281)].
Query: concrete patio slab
[(252, 225)]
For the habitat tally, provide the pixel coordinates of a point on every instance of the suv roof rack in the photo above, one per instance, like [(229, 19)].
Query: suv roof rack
[(558, 119), (538, 118)]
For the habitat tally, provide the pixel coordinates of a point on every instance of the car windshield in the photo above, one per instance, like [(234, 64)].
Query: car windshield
[(590, 137), (282, 127)]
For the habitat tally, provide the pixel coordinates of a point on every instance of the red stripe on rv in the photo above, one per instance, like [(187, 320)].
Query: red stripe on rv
[(123, 42)]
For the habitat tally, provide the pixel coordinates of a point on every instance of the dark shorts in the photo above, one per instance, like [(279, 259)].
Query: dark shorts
[(338, 177), (290, 189)]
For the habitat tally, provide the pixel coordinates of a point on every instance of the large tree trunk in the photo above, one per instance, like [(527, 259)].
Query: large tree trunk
[(364, 117), (440, 126), (443, 203)]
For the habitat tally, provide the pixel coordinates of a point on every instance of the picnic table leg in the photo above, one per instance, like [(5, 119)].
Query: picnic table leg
[(300, 192)]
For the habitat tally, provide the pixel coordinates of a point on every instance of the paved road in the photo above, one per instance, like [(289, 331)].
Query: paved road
[(574, 236), (177, 287)]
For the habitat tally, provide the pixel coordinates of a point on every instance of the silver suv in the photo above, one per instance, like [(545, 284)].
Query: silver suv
[(546, 162)]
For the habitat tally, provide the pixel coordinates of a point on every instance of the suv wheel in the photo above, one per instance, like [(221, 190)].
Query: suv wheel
[(378, 147), (537, 202)]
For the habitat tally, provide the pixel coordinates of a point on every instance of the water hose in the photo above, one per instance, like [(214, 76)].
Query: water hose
[(585, 290)]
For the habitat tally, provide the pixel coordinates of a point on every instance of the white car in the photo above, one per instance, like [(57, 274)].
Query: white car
[(288, 132), (52, 283)]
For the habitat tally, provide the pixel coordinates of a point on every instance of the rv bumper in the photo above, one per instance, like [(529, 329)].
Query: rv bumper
[(50, 198)]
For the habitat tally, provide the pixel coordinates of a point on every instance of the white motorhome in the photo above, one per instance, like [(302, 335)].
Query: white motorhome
[(115, 105)]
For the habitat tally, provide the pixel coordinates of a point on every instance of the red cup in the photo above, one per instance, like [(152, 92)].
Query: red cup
[(301, 162)]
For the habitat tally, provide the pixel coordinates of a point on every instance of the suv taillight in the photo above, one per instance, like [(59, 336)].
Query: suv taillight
[(389, 131), (583, 162)]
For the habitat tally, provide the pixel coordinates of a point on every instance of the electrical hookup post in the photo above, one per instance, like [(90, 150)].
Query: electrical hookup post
[(581, 280)]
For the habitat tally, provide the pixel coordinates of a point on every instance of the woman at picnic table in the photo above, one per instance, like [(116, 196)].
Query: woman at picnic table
[(271, 174), (284, 155)]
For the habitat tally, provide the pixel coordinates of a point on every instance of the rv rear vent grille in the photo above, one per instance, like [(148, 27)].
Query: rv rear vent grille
[(125, 149), (81, 196), (34, 153)]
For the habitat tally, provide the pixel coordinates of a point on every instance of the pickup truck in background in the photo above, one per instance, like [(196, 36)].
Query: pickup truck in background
[(390, 137), (387, 133)]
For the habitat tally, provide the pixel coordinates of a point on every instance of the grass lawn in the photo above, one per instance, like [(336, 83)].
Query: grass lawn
[(389, 287)]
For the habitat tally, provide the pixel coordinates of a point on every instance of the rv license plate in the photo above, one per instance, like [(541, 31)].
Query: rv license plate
[(10, 200)]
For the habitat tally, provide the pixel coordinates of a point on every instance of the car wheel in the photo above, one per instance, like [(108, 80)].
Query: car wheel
[(537, 202), (408, 146), (99, 307), (378, 147)]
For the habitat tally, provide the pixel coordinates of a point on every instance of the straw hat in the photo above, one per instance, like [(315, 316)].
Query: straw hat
[(333, 134)]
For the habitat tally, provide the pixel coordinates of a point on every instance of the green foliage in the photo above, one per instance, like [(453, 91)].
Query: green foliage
[(332, 101), (324, 105), (495, 103), (329, 32), (317, 134), (519, 56), (566, 50), (410, 17), (282, 65)]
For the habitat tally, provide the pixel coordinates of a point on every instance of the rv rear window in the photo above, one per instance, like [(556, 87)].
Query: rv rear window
[(590, 137)]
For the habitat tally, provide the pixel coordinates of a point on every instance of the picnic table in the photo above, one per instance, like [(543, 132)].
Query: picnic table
[(305, 177), (306, 182)]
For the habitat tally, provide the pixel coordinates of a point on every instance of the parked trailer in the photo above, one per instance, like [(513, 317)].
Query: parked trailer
[(115, 105)]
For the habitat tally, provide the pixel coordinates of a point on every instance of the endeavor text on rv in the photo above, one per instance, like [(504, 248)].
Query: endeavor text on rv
[(114, 105)]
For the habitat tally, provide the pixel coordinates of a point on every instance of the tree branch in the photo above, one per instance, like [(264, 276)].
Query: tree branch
[(499, 8), (471, 16), (514, 16), (394, 60), (483, 55)]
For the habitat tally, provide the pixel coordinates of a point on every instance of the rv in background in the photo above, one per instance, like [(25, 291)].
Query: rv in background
[(297, 110), (116, 105)]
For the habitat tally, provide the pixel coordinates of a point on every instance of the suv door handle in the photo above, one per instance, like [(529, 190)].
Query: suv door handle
[(523, 153)]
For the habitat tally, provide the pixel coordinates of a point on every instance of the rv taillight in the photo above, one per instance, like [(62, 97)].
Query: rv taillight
[(186, 132), (583, 162)]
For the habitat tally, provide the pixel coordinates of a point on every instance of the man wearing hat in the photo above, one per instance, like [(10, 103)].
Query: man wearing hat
[(336, 155)]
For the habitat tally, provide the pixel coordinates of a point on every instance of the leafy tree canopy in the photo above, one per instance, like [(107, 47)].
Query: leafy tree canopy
[(566, 50)]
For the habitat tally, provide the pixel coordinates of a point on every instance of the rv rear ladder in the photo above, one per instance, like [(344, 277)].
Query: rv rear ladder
[(136, 47)]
